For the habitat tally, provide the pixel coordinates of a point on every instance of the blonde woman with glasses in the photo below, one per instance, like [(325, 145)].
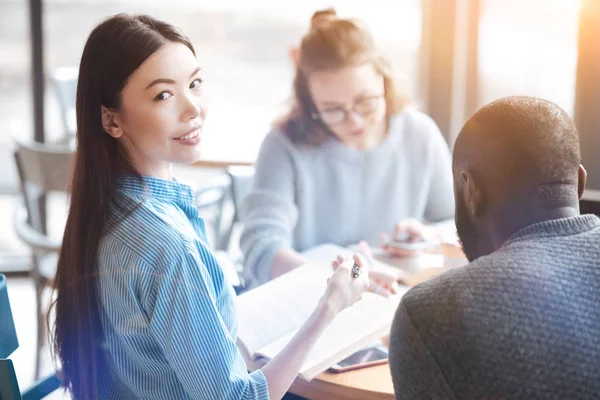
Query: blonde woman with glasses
[(351, 161)]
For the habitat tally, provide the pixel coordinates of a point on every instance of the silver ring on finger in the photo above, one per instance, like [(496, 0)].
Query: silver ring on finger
[(355, 271)]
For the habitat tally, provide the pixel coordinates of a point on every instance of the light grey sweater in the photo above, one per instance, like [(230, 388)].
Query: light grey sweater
[(303, 196), (520, 323)]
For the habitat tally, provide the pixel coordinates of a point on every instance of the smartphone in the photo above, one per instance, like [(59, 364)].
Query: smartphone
[(362, 358)]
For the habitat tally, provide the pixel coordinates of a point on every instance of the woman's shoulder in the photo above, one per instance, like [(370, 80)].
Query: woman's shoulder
[(414, 121), (414, 129), (277, 140), (416, 137), (277, 149), (142, 230)]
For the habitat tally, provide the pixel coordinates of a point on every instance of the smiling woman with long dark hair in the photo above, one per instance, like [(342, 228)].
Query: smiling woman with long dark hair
[(143, 309)]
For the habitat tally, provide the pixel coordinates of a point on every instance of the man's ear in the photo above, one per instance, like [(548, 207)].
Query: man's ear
[(473, 195), (111, 123), (582, 179)]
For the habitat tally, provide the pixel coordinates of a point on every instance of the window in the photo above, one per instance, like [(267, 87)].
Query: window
[(243, 46), (15, 87), (528, 48)]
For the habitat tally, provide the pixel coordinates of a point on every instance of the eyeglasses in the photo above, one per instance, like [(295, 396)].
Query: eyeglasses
[(337, 115)]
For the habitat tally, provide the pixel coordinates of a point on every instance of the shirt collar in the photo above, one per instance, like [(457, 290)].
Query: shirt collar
[(161, 189)]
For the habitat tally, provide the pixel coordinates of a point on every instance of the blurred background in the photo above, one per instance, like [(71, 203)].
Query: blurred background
[(451, 57), (522, 47)]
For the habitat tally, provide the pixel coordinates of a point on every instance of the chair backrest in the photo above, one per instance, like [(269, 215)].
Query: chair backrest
[(8, 333), (241, 184), (64, 82), (42, 169), (210, 198), (9, 387)]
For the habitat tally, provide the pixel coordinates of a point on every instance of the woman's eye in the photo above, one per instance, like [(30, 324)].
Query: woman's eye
[(196, 83), (163, 96)]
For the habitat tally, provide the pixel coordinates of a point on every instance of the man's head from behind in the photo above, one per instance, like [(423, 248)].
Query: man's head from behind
[(516, 162)]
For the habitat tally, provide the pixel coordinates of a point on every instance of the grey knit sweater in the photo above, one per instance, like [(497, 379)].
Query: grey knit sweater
[(303, 197), (520, 323)]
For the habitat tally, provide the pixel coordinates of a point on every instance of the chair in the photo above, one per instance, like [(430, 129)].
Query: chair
[(240, 178), (241, 184), (64, 82), (43, 169), (9, 387), (210, 198)]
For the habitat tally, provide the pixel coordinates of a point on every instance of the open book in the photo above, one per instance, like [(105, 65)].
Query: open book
[(271, 314)]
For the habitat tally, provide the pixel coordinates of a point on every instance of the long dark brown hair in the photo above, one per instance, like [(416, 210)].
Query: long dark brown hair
[(333, 43), (113, 51)]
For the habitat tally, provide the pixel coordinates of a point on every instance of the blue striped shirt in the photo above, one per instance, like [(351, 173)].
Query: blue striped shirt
[(167, 311)]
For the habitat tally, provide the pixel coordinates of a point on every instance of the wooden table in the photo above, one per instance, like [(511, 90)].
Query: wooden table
[(221, 163), (373, 383)]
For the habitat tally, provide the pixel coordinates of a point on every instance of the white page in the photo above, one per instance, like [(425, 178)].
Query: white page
[(280, 306), (354, 328)]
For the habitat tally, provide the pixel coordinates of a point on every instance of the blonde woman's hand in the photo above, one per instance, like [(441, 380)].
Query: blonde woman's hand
[(409, 230), (382, 282)]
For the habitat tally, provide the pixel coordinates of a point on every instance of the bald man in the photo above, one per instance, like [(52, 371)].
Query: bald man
[(522, 320)]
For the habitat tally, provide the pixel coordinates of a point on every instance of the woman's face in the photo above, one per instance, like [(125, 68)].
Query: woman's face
[(351, 103), (162, 112)]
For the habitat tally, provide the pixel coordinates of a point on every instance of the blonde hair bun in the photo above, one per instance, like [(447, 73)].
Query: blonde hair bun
[(322, 16)]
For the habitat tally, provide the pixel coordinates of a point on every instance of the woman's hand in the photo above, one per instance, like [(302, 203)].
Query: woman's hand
[(348, 282), (382, 282), (409, 230)]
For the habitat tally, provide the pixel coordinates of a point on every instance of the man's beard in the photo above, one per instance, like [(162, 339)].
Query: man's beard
[(467, 233)]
